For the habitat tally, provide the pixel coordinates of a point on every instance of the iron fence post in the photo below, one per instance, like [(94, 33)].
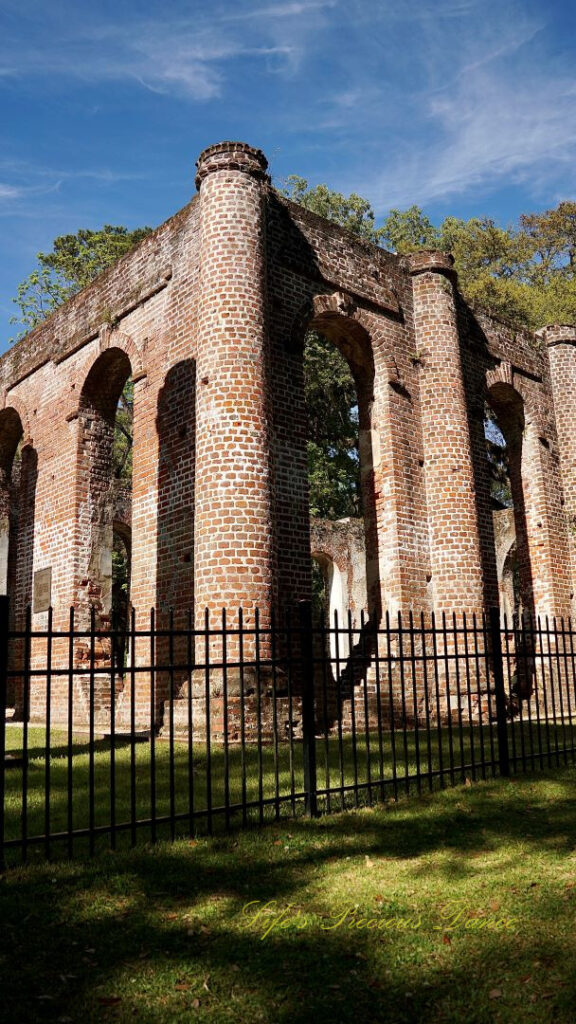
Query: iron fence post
[(4, 612), (308, 717), (498, 668)]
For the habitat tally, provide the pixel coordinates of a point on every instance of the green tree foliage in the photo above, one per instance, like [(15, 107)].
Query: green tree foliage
[(122, 451), (350, 212), (524, 273), (333, 462), (331, 401), (406, 230), (74, 262)]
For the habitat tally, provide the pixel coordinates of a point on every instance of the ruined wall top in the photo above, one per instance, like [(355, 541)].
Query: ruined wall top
[(231, 156), (557, 334), (430, 259)]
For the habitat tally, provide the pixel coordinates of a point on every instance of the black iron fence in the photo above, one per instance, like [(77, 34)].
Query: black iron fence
[(167, 728)]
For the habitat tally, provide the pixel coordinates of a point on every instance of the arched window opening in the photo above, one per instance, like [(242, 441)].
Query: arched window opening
[(339, 380), (10, 467), (105, 484), (333, 431), (504, 431), (498, 461)]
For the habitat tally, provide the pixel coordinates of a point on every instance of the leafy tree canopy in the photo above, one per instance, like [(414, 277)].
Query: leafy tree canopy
[(74, 262), (350, 212)]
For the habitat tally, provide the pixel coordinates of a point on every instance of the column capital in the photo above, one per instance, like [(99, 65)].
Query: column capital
[(231, 156), (434, 260)]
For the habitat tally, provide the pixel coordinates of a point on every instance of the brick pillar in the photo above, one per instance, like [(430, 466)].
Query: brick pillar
[(232, 532), (455, 553), (561, 343)]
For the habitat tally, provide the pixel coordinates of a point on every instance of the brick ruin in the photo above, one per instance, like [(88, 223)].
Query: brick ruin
[(208, 317)]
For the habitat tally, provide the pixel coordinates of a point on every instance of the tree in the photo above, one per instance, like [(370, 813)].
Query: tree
[(351, 212), (330, 391), (74, 262), (406, 230), (333, 462)]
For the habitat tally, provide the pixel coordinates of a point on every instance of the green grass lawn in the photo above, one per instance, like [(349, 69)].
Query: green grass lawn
[(271, 779), (454, 906)]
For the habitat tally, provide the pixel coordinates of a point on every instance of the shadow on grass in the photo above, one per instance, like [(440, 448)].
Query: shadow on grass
[(162, 935)]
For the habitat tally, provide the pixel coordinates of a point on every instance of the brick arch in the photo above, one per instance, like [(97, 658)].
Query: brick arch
[(110, 338), (17, 513), (97, 406), (512, 416), (343, 322), (15, 404), (11, 433), (110, 341), (329, 307)]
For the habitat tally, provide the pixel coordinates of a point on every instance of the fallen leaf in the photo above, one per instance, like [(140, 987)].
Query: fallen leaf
[(495, 993), (446, 940), (109, 1000)]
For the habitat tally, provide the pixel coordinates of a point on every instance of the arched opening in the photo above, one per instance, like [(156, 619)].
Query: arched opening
[(10, 470), (18, 478), (105, 484), (176, 426), (504, 428), (339, 392)]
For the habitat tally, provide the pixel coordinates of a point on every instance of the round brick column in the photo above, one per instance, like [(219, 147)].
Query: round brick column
[(561, 343), (455, 552), (232, 530)]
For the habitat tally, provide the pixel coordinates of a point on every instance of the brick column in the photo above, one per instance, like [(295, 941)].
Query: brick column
[(455, 553), (232, 562), (561, 343)]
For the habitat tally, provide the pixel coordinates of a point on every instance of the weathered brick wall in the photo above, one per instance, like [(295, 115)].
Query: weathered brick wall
[(208, 315)]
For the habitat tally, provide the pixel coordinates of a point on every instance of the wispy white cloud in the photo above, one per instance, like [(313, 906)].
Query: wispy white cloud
[(483, 105), (9, 192), (297, 9), (181, 55)]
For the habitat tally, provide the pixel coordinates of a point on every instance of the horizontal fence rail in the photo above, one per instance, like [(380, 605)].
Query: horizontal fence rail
[(167, 728)]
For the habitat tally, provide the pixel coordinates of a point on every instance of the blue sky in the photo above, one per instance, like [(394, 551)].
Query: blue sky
[(461, 106)]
